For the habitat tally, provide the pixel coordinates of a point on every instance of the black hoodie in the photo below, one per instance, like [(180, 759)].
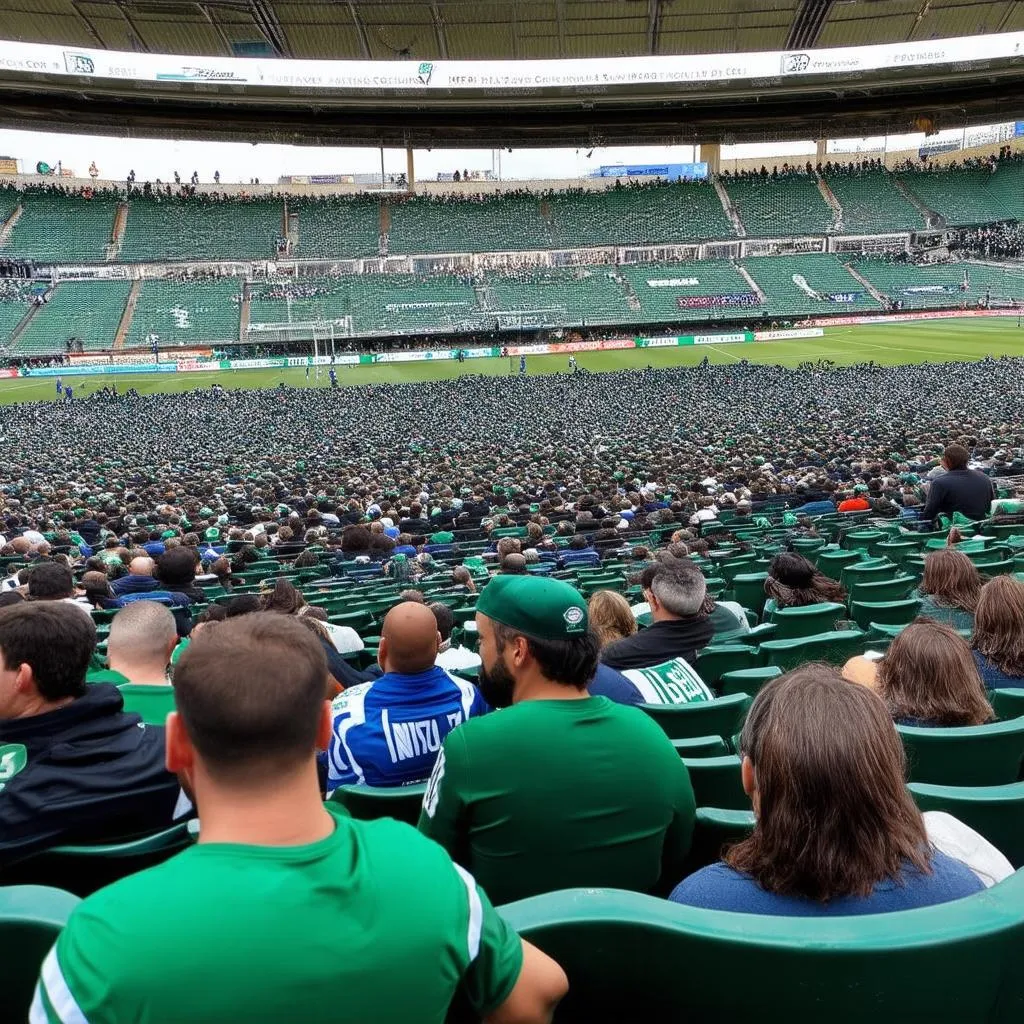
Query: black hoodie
[(92, 773)]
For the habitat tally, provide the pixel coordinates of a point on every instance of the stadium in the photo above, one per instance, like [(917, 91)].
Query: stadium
[(510, 508)]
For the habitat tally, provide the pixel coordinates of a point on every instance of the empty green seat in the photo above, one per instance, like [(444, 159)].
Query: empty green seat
[(153, 703), (831, 562), (714, 829), (836, 647), (748, 589), (632, 957), (890, 613), (722, 717), (897, 550), (978, 755), (861, 540), (873, 571), (997, 812), (717, 782), (370, 802), (806, 620), (894, 589), (747, 680), (1007, 703), (31, 918), (701, 746), (714, 661)]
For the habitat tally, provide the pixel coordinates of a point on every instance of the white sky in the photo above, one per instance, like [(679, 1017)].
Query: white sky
[(239, 161)]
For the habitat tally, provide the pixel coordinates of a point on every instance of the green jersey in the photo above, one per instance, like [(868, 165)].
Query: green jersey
[(557, 794), (371, 924)]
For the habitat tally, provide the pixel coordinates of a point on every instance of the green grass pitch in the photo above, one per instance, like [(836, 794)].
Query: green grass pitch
[(889, 344)]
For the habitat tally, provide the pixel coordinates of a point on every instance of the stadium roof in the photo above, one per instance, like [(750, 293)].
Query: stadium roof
[(510, 29)]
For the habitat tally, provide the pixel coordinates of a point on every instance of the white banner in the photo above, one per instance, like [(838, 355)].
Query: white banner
[(414, 357), (501, 75), (674, 282), (340, 360), (663, 342), (718, 339), (802, 332)]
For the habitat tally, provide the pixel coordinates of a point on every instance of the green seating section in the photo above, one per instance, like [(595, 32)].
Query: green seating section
[(90, 310), (336, 226), (14, 304), (962, 196), (714, 278), (673, 212), (572, 295), (780, 208), (824, 273), (169, 228), (187, 312), (407, 303), (1006, 186), (62, 229), (872, 204), (944, 282)]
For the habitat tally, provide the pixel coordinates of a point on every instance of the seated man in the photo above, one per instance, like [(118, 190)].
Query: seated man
[(237, 927), (51, 581), (560, 789), (142, 638), (141, 578), (388, 732), (675, 591), (451, 659), (75, 766)]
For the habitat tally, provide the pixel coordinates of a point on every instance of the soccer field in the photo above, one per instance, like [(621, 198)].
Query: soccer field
[(889, 344)]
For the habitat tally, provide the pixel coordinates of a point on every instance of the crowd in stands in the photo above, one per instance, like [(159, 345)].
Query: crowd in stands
[(184, 633)]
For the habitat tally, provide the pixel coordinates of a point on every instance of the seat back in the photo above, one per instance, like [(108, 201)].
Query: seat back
[(748, 589), (806, 620), (722, 717), (979, 755), (955, 962), (889, 613), (1007, 703), (882, 590), (717, 782), (835, 647), (31, 918), (368, 803), (714, 661), (153, 703)]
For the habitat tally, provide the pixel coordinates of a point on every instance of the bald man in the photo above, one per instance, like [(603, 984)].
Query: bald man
[(142, 637), (140, 578), (388, 732)]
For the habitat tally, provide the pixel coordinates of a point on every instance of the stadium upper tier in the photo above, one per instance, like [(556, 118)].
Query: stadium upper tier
[(53, 227)]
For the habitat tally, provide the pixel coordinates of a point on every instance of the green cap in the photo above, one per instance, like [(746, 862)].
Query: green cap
[(167, 534), (788, 519), (860, 489), (544, 608), (213, 533), (442, 537)]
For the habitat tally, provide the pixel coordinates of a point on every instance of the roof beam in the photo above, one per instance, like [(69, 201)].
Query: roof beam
[(218, 28), (653, 26), (808, 21), (265, 18), (89, 27), (364, 41), (560, 19), (439, 32)]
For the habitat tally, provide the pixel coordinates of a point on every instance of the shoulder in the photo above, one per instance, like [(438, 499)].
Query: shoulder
[(720, 887), (351, 702)]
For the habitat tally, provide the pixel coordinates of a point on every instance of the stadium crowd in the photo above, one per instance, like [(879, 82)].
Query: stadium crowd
[(528, 758)]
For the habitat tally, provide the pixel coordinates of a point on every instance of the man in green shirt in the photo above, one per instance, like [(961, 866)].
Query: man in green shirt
[(285, 910), (560, 789)]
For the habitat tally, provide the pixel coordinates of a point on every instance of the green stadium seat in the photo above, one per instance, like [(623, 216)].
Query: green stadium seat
[(701, 746), (717, 782), (747, 680), (623, 953), (714, 829), (867, 613), (835, 647), (997, 812), (721, 717), (882, 590), (153, 703), (806, 620), (872, 204), (748, 590), (980, 755), (831, 562), (371, 802), (31, 918), (714, 661), (1007, 703)]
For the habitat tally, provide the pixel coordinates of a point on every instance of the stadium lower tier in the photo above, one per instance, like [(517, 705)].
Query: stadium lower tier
[(181, 313)]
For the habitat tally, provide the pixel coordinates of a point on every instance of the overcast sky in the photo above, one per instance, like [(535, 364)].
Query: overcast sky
[(159, 158)]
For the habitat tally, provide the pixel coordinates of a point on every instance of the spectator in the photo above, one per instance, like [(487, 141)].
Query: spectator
[(950, 588), (675, 592), (141, 578), (96, 587), (514, 796), (462, 577), (51, 581), (253, 773), (794, 582), (837, 833), (611, 618), (142, 637), (857, 502), (82, 770), (998, 639), (959, 489), (451, 659), (388, 732), (176, 570)]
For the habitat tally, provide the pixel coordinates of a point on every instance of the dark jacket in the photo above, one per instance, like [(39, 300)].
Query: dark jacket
[(132, 584), (660, 642), (966, 491), (92, 773)]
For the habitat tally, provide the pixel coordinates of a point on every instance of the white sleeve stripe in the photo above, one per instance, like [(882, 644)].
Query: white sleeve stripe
[(468, 696), (476, 913), (37, 1012), (63, 1002)]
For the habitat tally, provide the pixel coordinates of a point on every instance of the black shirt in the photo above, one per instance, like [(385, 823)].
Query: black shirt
[(660, 642), (967, 491)]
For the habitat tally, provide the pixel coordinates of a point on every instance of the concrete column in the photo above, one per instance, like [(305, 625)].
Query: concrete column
[(710, 152), (821, 151), (410, 169)]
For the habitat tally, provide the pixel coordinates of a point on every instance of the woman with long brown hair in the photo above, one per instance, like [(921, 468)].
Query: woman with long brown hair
[(998, 639), (793, 582), (928, 677), (950, 588), (611, 618), (837, 832)]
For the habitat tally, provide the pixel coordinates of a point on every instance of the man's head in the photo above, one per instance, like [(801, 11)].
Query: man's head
[(44, 655), (445, 620), (142, 566), (532, 630), (409, 639), (955, 457), (142, 637), (176, 567), (674, 589), (514, 564), (50, 581), (250, 704)]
